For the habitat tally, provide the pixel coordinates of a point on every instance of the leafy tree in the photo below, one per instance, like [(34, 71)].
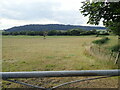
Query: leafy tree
[(75, 31), (90, 32), (108, 11), (5, 33), (52, 32)]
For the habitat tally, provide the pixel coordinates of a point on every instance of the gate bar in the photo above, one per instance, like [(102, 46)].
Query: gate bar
[(38, 74)]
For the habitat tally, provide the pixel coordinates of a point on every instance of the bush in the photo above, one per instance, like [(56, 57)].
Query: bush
[(115, 48), (101, 41)]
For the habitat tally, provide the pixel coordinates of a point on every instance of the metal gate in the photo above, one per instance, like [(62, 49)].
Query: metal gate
[(39, 74)]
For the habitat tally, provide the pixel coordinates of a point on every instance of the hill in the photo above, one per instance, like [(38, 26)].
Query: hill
[(47, 27)]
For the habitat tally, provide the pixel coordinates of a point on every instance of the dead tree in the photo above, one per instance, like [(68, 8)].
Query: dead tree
[(44, 34)]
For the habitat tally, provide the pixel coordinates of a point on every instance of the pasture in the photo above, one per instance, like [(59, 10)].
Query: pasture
[(33, 53)]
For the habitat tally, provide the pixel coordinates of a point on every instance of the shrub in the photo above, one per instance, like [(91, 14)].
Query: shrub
[(101, 41), (115, 48)]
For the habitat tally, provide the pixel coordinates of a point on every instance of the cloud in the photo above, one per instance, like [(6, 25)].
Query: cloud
[(27, 10), (21, 12), (11, 22)]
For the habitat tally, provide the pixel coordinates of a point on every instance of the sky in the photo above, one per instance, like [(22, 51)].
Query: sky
[(23, 12)]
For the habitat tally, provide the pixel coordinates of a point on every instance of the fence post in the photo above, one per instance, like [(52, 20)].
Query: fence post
[(117, 57)]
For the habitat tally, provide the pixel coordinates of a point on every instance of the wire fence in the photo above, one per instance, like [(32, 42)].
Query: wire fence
[(103, 53)]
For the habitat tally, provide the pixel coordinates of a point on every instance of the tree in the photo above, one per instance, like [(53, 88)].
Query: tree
[(52, 32), (108, 11), (45, 34)]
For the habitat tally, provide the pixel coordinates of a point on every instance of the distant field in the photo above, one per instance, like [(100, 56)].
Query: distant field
[(33, 53)]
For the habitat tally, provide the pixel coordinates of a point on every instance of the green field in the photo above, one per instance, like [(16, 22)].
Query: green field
[(33, 53)]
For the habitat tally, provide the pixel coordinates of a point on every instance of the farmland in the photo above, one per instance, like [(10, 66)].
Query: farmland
[(33, 53)]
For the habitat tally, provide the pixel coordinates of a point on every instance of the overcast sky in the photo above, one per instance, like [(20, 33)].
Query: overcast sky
[(22, 12)]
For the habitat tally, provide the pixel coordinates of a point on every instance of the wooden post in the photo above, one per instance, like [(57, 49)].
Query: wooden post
[(117, 57)]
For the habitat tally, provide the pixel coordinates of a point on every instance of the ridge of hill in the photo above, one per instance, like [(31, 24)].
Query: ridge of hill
[(47, 27)]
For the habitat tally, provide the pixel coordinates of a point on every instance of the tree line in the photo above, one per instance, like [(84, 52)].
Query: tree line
[(72, 32)]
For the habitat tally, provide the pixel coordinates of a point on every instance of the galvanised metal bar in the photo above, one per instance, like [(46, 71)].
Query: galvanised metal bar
[(38, 74), (52, 88), (26, 84), (82, 80)]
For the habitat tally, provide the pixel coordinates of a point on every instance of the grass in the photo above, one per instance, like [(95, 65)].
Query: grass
[(33, 53), (113, 41), (64, 53), (112, 44)]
